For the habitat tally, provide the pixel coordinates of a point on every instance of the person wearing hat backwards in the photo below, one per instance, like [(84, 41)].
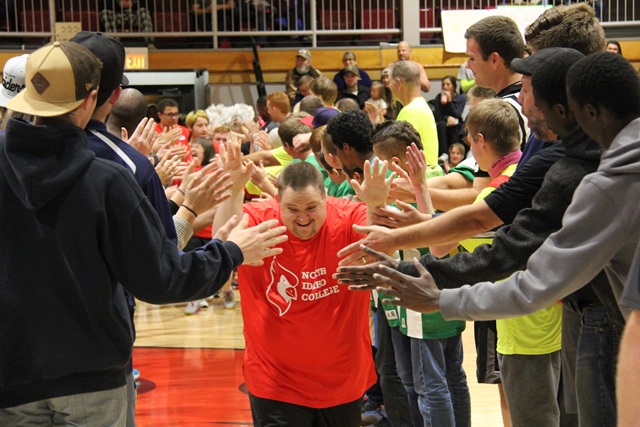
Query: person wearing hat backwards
[(12, 84), (352, 88), (66, 335), (303, 67)]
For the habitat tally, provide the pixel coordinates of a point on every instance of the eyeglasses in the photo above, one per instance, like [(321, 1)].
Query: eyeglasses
[(172, 115)]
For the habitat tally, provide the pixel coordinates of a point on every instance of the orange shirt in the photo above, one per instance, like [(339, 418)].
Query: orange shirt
[(307, 338)]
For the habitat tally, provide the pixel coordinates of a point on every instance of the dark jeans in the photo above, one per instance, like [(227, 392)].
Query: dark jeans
[(273, 413), (396, 402), (595, 368)]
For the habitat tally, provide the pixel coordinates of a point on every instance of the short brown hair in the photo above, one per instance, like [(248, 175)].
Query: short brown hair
[(393, 138), (316, 139), (497, 121), (574, 26), (498, 34), (166, 102), (325, 88), (299, 176), (291, 127), (280, 100)]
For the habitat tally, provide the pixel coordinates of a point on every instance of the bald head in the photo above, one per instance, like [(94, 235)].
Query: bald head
[(404, 51), (128, 111)]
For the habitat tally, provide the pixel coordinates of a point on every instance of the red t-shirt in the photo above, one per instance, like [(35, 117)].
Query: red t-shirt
[(183, 140), (307, 338)]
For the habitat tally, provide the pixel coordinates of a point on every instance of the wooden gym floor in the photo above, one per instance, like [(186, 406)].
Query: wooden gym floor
[(191, 369)]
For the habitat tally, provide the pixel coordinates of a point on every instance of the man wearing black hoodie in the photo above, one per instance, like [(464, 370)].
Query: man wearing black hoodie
[(66, 336)]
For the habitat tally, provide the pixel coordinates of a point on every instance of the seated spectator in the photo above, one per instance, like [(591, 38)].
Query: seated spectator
[(303, 67), (456, 155), (303, 86), (352, 88), (449, 106), (376, 106), (393, 106), (349, 59), (126, 16), (466, 78), (226, 17), (613, 46)]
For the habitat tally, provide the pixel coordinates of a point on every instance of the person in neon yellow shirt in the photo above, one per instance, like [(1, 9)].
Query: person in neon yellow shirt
[(405, 86)]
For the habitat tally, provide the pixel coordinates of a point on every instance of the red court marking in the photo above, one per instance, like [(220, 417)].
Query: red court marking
[(192, 387)]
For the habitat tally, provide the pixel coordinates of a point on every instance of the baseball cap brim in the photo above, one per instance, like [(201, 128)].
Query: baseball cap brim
[(27, 105), (528, 66), (4, 99)]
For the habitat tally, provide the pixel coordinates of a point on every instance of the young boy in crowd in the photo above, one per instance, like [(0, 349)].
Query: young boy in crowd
[(428, 349)]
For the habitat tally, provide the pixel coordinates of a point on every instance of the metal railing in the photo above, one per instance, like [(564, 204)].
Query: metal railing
[(180, 23)]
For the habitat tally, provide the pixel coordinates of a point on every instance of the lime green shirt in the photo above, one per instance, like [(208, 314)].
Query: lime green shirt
[(534, 334), (419, 114)]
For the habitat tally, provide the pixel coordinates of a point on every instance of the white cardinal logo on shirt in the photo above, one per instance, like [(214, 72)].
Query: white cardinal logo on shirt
[(282, 288)]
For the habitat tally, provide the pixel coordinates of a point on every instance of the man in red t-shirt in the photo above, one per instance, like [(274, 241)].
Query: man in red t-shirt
[(308, 357), (169, 113)]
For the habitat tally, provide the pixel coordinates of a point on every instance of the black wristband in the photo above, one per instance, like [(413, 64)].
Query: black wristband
[(190, 210)]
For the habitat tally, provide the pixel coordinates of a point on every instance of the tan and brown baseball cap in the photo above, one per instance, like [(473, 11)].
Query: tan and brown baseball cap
[(58, 77)]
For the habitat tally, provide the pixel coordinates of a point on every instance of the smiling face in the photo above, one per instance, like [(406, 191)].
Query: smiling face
[(455, 155), (197, 153), (303, 212), (613, 48)]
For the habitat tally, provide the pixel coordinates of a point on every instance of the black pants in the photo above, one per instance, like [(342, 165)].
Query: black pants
[(273, 413)]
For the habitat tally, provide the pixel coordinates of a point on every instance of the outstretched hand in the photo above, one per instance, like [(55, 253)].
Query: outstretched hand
[(206, 192), (257, 243), (378, 238), (359, 277), (375, 187), (230, 159), (415, 293), (143, 138)]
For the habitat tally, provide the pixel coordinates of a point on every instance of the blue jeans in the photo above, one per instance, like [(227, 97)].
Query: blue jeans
[(440, 381), (402, 349), (595, 369)]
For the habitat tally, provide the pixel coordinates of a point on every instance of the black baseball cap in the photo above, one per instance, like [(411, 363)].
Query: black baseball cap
[(527, 66), (112, 54)]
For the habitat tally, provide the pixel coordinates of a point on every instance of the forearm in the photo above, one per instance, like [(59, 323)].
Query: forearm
[(451, 227), (230, 207), (204, 219), (450, 182), (425, 84), (183, 231), (264, 156), (447, 200), (628, 376)]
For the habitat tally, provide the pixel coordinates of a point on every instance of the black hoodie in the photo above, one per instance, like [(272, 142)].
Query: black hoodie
[(73, 228)]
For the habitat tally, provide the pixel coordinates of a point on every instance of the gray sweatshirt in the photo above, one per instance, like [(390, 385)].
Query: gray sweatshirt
[(600, 230)]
